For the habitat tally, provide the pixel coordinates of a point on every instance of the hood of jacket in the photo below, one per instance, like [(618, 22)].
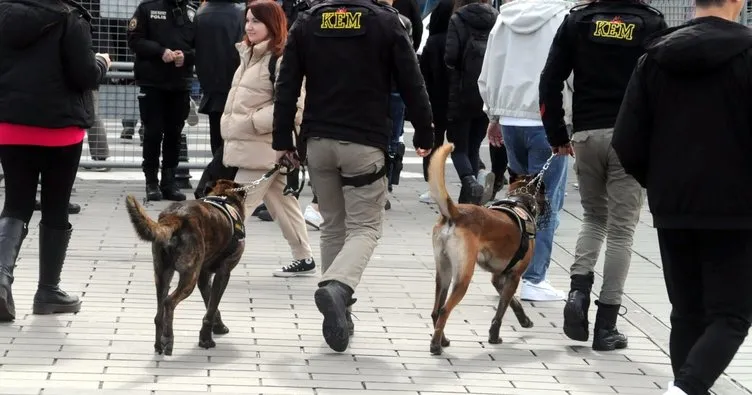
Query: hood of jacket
[(440, 16), (24, 22), (528, 16), (479, 16), (699, 46)]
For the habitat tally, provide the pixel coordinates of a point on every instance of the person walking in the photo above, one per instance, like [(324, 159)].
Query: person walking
[(466, 40), (348, 52), (607, 36), (49, 73), (247, 126), (515, 55), (694, 79)]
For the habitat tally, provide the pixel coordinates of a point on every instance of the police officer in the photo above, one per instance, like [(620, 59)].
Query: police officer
[(600, 43), (161, 35), (351, 49)]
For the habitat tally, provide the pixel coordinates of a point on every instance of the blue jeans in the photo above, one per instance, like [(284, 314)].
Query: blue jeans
[(397, 113), (528, 150)]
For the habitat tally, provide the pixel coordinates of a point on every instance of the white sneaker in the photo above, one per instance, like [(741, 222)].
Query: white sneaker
[(673, 390), (312, 217), (541, 292), (426, 198)]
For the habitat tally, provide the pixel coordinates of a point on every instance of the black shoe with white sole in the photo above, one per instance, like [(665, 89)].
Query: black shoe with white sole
[(300, 267)]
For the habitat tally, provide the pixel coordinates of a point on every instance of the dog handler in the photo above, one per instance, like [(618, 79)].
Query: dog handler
[(694, 79), (600, 42), (351, 50)]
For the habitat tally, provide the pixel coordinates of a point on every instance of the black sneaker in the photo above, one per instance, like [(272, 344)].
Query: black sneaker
[(300, 267)]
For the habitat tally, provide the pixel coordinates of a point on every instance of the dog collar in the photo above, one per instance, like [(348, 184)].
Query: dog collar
[(237, 221)]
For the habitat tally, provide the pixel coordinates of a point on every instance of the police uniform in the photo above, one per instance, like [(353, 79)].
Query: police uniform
[(164, 101), (348, 51), (600, 43)]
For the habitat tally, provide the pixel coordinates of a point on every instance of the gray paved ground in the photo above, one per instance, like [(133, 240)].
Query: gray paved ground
[(275, 346)]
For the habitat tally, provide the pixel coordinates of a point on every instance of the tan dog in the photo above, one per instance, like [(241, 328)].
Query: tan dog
[(195, 238), (500, 239)]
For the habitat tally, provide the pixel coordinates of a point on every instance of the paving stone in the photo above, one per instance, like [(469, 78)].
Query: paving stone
[(275, 344)]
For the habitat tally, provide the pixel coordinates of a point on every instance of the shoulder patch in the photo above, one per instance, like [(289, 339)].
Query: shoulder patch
[(132, 24)]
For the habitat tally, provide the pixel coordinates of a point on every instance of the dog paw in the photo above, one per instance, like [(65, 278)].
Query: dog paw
[(436, 349), (220, 329), (158, 348), (527, 323), (166, 346), (207, 343), (445, 342), (494, 340)]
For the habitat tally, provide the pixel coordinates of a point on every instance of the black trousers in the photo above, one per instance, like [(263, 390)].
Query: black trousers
[(708, 276), (499, 161), (23, 165), (215, 134), (467, 136), (215, 170), (163, 115)]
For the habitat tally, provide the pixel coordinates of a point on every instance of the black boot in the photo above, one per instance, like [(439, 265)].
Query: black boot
[(350, 323), (153, 193), (50, 299), (576, 310), (605, 335), (12, 234), (473, 189), (332, 299), (170, 190)]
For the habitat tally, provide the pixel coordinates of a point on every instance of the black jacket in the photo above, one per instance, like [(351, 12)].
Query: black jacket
[(410, 9), (47, 65), (464, 98), (432, 63), (158, 25), (602, 63), (685, 128), (219, 25), (348, 64)]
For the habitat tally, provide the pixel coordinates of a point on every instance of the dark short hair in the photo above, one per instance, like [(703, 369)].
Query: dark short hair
[(709, 3)]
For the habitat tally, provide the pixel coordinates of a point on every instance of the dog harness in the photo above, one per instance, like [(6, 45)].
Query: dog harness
[(525, 221), (238, 222)]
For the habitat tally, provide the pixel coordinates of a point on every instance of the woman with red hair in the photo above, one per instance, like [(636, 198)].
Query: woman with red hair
[(247, 129)]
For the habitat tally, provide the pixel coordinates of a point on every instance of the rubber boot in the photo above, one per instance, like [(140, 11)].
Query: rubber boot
[(12, 234), (169, 189), (153, 193), (332, 299), (605, 335), (50, 299), (576, 324), (473, 189)]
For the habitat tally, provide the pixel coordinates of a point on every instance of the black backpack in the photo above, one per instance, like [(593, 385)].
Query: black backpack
[(471, 63)]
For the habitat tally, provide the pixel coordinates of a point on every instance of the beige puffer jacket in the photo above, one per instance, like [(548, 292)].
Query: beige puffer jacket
[(248, 116)]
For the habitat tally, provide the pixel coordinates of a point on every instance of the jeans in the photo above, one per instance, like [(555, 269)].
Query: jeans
[(528, 150), (707, 274), (397, 113)]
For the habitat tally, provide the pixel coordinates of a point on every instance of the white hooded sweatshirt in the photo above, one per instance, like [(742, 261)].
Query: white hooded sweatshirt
[(516, 53)]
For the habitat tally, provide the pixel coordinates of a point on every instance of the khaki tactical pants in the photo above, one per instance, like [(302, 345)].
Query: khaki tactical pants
[(353, 216)]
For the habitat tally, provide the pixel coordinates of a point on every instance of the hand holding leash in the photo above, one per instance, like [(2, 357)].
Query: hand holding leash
[(288, 160)]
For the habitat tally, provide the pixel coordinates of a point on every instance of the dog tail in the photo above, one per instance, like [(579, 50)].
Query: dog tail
[(437, 182), (146, 228)]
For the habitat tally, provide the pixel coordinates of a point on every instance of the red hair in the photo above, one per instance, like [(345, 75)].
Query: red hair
[(270, 13)]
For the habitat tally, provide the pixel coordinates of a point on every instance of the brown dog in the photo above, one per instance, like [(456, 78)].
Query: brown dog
[(195, 238), (499, 238)]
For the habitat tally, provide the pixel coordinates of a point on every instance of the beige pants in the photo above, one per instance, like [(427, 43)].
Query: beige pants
[(284, 209), (352, 216)]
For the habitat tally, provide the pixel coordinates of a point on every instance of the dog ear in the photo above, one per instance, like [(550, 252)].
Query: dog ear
[(209, 187)]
